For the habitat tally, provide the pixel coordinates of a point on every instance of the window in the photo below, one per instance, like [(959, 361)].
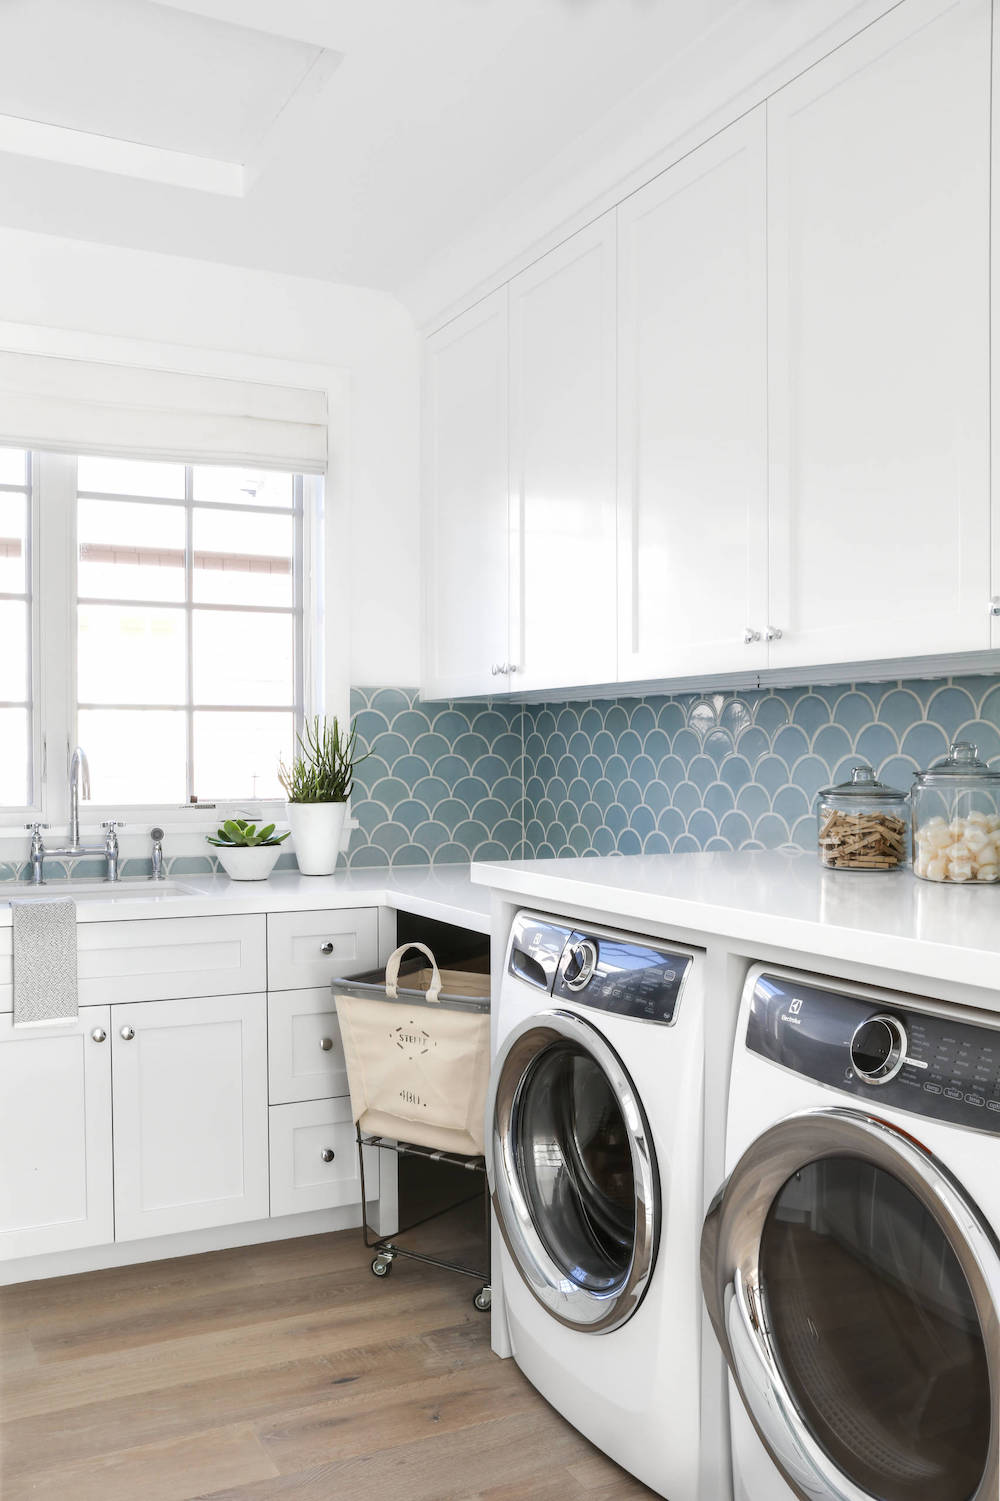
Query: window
[(15, 628), (170, 599)]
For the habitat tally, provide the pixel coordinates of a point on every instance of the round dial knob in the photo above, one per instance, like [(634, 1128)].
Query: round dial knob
[(580, 965), (878, 1049)]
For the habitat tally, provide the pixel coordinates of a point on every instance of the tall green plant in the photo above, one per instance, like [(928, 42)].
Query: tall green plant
[(323, 771)]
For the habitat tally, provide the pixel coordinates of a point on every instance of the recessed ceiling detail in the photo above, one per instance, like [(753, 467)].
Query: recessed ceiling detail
[(150, 91)]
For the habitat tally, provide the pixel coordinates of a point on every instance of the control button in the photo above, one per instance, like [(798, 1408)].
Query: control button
[(993, 1105), (878, 1049), (953, 1094), (974, 1099), (936, 1089)]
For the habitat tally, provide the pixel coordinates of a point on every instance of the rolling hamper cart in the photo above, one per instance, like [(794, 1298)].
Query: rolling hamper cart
[(418, 1061)]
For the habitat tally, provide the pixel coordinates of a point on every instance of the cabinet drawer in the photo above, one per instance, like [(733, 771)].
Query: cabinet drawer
[(159, 959), (300, 1178), (305, 1058), (307, 949)]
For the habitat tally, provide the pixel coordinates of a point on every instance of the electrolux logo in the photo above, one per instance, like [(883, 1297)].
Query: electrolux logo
[(793, 1014)]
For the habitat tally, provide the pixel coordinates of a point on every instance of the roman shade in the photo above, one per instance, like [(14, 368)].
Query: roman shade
[(81, 406)]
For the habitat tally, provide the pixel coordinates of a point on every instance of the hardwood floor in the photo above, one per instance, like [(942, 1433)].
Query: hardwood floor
[(282, 1371)]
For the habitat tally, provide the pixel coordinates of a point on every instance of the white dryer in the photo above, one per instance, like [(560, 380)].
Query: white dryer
[(850, 1263), (595, 1165)]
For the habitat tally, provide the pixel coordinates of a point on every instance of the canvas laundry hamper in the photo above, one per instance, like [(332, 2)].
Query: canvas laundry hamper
[(418, 1058)]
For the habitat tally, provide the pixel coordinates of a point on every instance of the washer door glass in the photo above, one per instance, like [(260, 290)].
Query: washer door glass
[(876, 1333), (573, 1171), (574, 1160)]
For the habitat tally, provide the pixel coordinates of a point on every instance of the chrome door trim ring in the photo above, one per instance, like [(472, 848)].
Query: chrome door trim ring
[(730, 1274), (576, 1307)]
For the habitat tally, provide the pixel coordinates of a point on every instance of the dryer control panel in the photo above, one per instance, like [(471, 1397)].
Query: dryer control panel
[(890, 1053), (613, 972)]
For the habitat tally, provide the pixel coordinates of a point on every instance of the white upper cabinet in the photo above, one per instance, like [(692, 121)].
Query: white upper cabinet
[(692, 457), (878, 244), (562, 469), (465, 499)]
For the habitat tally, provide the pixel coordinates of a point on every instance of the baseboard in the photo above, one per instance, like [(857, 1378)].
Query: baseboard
[(190, 1243)]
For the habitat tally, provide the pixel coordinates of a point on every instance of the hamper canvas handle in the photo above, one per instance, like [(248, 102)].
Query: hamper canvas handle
[(392, 971)]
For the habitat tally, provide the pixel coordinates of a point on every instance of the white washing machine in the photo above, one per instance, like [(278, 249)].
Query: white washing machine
[(851, 1264), (595, 1165)]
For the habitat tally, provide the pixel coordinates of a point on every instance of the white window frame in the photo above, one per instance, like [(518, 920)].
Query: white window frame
[(52, 549)]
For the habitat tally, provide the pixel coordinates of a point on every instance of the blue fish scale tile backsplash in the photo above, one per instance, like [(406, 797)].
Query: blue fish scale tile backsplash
[(451, 782), (444, 782)]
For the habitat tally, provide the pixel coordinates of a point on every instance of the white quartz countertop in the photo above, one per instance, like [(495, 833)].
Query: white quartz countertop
[(442, 892), (886, 920)]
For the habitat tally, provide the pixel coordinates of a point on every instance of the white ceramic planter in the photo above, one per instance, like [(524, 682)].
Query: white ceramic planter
[(317, 830), (252, 864)]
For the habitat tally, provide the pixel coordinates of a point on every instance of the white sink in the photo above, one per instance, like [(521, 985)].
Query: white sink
[(97, 890)]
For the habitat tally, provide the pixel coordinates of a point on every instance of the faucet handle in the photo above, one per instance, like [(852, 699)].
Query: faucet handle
[(33, 828), (112, 823)]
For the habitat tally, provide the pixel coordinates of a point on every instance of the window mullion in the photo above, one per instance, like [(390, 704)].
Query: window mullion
[(189, 627), (56, 583)]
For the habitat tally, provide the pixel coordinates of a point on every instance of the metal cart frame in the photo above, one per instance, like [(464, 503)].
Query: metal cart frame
[(386, 1247)]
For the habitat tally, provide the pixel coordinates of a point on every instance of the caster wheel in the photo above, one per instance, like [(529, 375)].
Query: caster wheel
[(381, 1266), (483, 1299)]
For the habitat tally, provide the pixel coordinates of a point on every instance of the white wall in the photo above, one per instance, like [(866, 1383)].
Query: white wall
[(72, 298)]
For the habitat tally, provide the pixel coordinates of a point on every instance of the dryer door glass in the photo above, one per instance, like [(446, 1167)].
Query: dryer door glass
[(876, 1332), (575, 1163)]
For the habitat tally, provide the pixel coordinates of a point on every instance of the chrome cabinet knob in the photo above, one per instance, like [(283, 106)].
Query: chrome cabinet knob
[(328, 1154), (773, 633), (993, 608), (128, 1033), (750, 636), (326, 1043), (511, 667), (496, 669), (99, 1034), (327, 948)]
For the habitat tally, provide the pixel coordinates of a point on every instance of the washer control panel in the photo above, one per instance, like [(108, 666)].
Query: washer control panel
[(611, 972), (910, 1059)]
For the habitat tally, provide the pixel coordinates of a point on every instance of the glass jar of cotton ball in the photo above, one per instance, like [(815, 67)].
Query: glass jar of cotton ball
[(956, 819)]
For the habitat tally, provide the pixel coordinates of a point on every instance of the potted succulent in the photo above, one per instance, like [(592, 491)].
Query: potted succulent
[(245, 852), (318, 784)]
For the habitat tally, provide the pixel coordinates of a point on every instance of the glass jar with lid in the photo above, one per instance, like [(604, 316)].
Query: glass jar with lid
[(956, 818), (863, 824)]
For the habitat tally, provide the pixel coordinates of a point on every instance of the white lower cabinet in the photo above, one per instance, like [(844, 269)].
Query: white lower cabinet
[(55, 1126), (305, 1056), (314, 1158), (190, 1114)]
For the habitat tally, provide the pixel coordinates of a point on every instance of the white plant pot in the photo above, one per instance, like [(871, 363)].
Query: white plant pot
[(317, 830), (251, 864)]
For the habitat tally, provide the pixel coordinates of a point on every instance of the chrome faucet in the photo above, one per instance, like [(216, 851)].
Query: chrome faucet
[(79, 785), (79, 771)]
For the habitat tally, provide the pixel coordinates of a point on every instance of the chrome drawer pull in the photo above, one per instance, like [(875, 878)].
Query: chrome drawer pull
[(328, 1154), (326, 1043), (327, 948)]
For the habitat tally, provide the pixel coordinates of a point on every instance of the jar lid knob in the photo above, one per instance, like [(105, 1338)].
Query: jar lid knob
[(861, 775), (963, 752)]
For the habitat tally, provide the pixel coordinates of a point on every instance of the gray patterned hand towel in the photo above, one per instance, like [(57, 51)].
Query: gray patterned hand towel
[(45, 975)]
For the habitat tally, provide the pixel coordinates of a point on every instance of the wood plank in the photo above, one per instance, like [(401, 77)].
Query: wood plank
[(156, 1472), (283, 1372)]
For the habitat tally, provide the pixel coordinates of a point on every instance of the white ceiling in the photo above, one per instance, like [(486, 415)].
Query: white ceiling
[(352, 140)]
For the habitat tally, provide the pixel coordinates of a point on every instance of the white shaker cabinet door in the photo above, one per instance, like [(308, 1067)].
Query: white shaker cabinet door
[(878, 246), (190, 1112), (55, 1129), (692, 436), (465, 503), (562, 383)]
